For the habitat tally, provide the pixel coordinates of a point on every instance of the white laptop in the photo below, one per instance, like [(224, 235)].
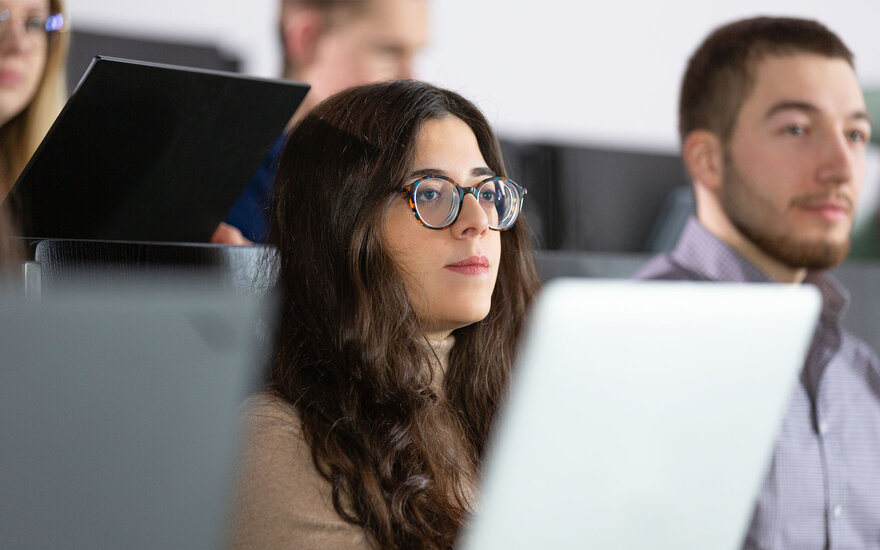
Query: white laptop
[(642, 415), (118, 413)]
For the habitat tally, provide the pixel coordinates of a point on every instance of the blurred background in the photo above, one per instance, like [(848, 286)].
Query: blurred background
[(584, 96)]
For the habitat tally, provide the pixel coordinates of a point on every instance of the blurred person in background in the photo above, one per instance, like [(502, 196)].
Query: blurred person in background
[(33, 51), (331, 45)]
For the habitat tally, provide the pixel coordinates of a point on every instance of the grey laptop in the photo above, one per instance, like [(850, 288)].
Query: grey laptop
[(118, 414), (642, 415)]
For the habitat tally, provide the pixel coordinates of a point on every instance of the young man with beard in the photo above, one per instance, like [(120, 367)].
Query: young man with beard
[(774, 128)]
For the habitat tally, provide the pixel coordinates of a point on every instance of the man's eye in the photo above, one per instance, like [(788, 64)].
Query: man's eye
[(857, 136), (795, 130)]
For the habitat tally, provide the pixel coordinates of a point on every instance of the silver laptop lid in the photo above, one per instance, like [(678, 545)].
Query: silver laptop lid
[(642, 415), (118, 414)]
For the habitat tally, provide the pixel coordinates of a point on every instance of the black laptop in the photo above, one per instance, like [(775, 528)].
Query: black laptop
[(150, 152)]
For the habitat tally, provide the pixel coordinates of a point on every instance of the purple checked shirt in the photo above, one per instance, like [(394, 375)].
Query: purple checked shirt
[(822, 490)]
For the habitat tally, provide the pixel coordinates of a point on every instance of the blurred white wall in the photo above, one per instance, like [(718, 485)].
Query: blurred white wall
[(550, 69)]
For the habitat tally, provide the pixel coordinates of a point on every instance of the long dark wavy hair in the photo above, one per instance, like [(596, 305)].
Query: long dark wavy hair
[(350, 353)]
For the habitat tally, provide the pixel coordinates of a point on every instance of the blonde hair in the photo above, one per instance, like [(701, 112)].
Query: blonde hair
[(20, 136)]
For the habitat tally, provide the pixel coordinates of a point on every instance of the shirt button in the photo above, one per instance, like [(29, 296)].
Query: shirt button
[(837, 511), (823, 428)]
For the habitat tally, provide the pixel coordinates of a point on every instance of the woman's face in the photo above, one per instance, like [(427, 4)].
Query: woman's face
[(450, 273), (23, 51)]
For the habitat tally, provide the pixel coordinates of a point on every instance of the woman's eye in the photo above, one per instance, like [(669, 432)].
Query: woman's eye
[(428, 195), (795, 130), (33, 25)]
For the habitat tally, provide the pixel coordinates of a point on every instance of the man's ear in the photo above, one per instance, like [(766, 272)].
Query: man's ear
[(302, 31), (703, 157)]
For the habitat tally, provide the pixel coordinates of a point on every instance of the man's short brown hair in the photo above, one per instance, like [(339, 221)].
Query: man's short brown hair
[(333, 11), (720, 74)]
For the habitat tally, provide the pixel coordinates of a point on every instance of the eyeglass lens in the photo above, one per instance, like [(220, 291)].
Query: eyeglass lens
[(437, 202)]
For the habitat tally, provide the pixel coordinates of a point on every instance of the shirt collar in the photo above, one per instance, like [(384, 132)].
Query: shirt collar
[(704, 254)]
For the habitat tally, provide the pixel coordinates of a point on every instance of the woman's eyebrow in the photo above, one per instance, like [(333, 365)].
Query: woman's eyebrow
[(481, 171), (425, 172)]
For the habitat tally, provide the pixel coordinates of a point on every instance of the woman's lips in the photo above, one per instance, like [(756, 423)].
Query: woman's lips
[(9, 78), (475, 265)]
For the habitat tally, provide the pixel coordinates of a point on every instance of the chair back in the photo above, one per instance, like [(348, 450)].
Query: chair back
[(244, 269)]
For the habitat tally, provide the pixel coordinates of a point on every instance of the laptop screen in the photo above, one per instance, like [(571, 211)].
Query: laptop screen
[(150, 152)]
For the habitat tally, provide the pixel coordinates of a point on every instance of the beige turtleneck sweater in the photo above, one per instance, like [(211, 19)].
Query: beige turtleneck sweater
[(281, 501)]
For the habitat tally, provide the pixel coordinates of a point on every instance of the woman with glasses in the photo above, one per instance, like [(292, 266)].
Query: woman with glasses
[(405, 274), (33, 50)]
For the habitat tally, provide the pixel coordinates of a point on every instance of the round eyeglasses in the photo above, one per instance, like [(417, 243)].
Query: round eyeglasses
[(37, 28), (436, 200)]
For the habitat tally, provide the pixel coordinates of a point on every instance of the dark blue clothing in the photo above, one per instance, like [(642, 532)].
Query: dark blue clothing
[(251, 213)]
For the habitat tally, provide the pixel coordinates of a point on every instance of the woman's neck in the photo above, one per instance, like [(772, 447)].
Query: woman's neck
[(438, 336), (441, 346), (5, 178)]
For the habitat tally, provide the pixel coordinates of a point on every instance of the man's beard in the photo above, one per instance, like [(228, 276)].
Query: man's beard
[(757, 219)]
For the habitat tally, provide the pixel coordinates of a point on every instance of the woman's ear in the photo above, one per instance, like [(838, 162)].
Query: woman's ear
[(703, 157), (302, 32)]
